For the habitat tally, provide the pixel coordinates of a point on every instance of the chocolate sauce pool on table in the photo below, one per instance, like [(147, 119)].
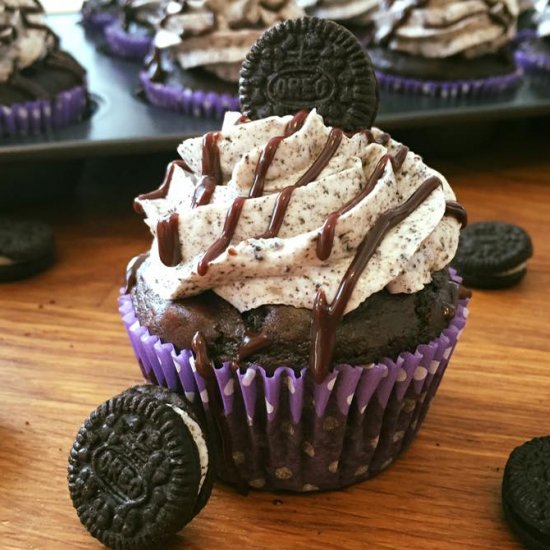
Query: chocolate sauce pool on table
[(327, 317)]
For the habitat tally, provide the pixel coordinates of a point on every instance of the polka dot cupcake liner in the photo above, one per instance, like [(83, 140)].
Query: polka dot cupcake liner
[(485, 87), (285, 431), (198, 103), (127, 45), (43, 115)]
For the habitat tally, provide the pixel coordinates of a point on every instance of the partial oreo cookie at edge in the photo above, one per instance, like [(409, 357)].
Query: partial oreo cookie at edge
[(27, 247), (526, 493), (492, 254), (310, 63), (139, 468)]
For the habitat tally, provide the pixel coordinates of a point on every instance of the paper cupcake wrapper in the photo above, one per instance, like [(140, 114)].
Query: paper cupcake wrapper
[(198, 103), (484, 87), (532, 62), (524, 34), (286, 432), (98, 21), (42, 115), (127, 45)]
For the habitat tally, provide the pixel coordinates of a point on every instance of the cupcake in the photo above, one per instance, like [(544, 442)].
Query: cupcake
[(533, 54), (41, 86), (199, 50), (297, 285), (98, 14), (357, 15), (446, 48)]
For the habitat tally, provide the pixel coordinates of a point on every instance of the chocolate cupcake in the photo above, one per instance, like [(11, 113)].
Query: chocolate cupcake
[(297, 285), (98, 14), (199, 49), (446, 48), (131, 35), (533, 54), (41, 86)]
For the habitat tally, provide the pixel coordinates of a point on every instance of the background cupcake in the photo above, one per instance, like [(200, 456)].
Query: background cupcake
[(533, 54), (131, 36), (41, 86), (527, 20), (199, 50), (446, 47), (98, 14)]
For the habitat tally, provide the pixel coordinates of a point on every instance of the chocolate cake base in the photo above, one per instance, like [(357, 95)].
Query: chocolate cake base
[(384, 325)]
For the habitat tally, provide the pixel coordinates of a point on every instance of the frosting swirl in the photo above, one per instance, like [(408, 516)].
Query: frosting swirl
[(443, 28), (24, 39), (217, 34), (354, 12), (275, 211)]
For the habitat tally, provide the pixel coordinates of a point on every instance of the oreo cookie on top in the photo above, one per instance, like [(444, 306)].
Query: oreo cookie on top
[(310, 63), (140, 468)]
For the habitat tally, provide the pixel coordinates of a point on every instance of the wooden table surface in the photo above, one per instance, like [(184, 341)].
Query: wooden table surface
[(63, 351)]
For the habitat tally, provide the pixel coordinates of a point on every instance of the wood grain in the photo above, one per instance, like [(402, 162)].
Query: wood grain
[(63, 351)]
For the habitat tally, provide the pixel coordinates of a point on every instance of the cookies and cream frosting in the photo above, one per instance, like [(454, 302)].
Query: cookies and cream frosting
[(24, 39), (357, 12), (272, 211), (443, 28), (217, 34)]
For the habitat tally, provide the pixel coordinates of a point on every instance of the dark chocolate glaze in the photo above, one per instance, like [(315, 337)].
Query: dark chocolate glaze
[(153, 66), (131, 272), (169, 244), (211, 170), (162, 191), (203, 364), (325, 242), (257, 189), (457, 211), (327, 317), (384, 138), (252, 342), (464, 292)]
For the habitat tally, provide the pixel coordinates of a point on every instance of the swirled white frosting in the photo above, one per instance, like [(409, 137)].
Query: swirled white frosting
[(285, 269), (442, 28), (22, 45), (217, 34), (358, 12)]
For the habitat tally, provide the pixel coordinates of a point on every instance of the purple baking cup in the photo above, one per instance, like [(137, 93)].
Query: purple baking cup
[(524, 34), (127, 45), (37, 117), (485, 87), (97, 21), (533, 63), (198, 103), (285, 431)]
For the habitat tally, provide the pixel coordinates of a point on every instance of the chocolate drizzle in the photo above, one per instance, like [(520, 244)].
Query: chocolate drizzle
[(252, 342), (162, 191), (457, 211), (257, 189), (327, 317), (325, 242), (168, 236), (211, 170), (131, 271), (154, 68), (203, 364)]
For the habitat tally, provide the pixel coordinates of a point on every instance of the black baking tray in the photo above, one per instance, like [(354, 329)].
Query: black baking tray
[(123, 124)]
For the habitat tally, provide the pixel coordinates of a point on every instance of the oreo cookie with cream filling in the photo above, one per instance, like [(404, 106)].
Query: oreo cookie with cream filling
[(492, 254), (139, 469), (526, 493), (310, 63), (26, 247)]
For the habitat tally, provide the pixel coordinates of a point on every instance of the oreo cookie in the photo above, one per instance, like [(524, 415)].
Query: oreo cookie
[(492, 254), (526, 493), (26, 248), (139, 469), (310, 63)]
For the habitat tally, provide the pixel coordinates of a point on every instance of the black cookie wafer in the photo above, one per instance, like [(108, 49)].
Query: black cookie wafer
[(492, 254), (310, 63), (134, 471), (526, 493), (26, 248)]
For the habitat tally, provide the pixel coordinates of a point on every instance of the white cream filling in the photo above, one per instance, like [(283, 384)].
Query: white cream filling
[(199, 440)]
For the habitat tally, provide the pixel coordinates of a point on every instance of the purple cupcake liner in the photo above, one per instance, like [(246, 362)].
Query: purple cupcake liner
[(40, 116), (533, 63), (127, 45), (198, 103), (524, 34), (285, 431), (484, 87), (97, 21)]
